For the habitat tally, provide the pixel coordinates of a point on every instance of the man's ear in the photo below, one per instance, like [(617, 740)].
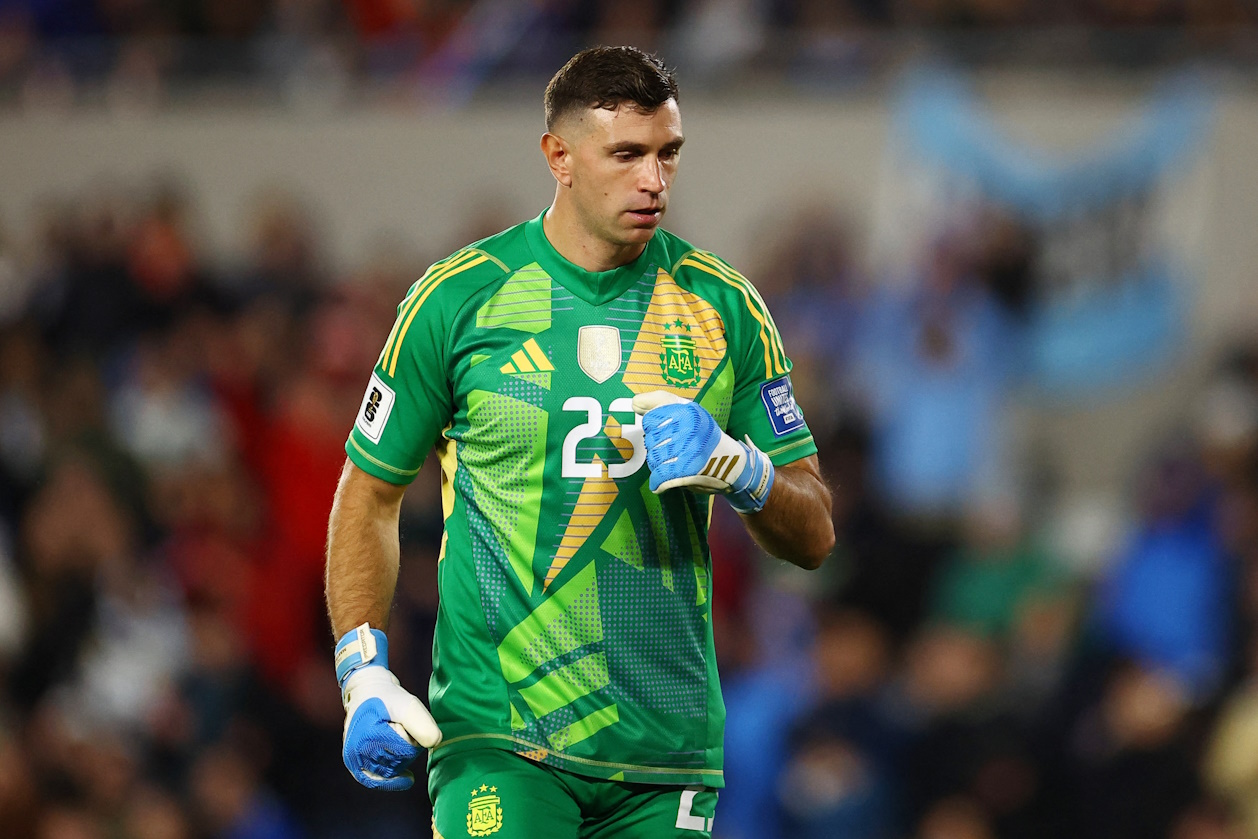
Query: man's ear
[(558, 157)]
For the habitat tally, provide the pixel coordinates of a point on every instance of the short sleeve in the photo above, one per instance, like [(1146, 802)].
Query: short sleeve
[(408, 397), (763, 405)]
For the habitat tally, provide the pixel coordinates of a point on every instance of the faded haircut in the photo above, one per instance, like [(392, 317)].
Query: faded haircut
[(608, 77)]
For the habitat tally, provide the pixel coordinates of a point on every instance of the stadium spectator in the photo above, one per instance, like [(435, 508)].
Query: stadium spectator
[(1131, 771), (936, 361), (846, 750), (1165, 603)]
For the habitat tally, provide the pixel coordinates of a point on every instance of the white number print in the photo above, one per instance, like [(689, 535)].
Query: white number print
[(584, 431), (686, 820), (592, 427)]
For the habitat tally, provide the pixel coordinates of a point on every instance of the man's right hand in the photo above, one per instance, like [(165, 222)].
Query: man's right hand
[(385, 725)]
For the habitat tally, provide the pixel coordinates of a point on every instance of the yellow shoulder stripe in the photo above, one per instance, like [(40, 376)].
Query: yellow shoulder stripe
[(411, 294), (775, 337), (495, 260), (774, 358), (755, 303), (694, 263), (397, 321), (437, 278)]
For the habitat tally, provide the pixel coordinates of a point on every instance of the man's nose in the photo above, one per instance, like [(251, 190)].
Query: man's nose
[(653, 176)]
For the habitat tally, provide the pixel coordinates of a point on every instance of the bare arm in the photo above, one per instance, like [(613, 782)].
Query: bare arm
[(362, 565), (795, 524)]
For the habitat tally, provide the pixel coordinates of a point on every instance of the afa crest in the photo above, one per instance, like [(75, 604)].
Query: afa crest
[(484, 813), (679, 363)]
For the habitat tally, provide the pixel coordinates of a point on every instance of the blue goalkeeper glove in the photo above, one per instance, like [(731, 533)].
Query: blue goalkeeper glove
[(385, 726), (686, 448)]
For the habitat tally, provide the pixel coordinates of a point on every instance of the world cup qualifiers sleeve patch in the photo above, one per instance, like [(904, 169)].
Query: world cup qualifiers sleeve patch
[(779, 401), (373, 414)]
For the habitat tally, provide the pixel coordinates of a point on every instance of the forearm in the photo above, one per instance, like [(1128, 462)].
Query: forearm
[(795, 524), (362, 558)]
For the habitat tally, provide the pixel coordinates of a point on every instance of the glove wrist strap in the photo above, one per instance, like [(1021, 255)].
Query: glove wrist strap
[(751, 491), (358, 648)]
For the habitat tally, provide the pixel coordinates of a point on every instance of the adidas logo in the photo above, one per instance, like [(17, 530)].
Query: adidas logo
[(715, 465), (529, 359)]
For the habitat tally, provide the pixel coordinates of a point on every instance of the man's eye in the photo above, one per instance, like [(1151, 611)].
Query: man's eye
[(625, 155), (668, 154)]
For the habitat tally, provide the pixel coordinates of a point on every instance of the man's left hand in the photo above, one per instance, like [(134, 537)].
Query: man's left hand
[(686, 448)]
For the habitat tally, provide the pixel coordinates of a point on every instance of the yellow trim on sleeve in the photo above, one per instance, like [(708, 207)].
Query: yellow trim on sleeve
[(406, 473), (790, 446)]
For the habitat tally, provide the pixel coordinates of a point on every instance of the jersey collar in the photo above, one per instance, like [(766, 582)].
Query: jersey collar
[(595, 287)]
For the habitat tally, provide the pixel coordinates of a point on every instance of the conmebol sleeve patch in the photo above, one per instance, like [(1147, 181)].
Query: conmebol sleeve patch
[(373, 414)]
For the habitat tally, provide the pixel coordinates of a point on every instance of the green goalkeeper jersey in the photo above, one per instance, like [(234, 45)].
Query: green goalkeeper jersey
[(574, 624)]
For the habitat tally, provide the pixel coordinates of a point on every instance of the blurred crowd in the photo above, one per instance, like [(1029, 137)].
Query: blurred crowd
[(171, 431), (975, 664), (135, 53)]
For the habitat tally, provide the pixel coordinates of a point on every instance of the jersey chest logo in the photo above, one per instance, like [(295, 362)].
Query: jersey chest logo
[(598, 351), (679, 363)]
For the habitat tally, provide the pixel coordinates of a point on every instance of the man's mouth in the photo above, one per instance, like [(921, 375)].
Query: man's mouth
[(648, 215)]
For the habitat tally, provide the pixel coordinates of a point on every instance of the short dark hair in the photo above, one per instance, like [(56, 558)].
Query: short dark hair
[(608, 77)]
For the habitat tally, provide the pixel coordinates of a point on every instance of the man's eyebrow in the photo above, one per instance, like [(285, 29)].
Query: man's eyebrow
[(641, 148)]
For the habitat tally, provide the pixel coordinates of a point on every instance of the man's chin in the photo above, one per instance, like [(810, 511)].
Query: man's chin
[(638, 232)]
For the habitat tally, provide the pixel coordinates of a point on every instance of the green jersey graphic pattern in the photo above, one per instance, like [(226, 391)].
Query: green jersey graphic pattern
[(574, 624)]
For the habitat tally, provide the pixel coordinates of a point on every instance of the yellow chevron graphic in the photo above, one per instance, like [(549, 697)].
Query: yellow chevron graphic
[(611, 428), (597, 495), (528, 359)]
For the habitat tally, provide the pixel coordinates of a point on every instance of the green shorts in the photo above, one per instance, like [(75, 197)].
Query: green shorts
[(493, 792)]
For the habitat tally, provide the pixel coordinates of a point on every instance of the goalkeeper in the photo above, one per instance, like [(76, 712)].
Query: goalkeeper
[(591, 384)]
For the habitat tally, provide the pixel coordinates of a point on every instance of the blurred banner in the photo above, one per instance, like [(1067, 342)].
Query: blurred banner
[(1096, 247)]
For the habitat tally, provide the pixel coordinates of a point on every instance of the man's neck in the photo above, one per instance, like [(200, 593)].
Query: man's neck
[(575, 244)]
